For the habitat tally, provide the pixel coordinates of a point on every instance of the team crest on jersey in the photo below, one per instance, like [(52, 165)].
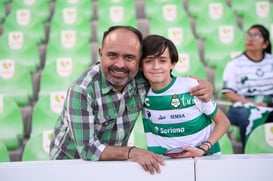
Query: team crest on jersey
[(175, 102)]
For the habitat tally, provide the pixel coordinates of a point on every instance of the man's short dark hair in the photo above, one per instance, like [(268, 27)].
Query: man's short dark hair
[(130, 28)]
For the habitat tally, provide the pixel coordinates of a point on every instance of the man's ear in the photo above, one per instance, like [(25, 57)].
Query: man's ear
[(100, 52)]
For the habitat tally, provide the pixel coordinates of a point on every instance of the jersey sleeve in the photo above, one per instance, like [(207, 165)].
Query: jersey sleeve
[(229, 78), (208, 108)]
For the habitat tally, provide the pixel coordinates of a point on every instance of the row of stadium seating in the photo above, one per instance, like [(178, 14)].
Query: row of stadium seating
[(45, 45)]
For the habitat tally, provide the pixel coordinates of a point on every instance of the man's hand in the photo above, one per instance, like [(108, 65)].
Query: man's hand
[(149, 161), (204, 90)]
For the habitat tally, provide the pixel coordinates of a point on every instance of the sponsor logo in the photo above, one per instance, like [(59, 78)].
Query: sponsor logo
[(161, 117), (169, 130), (177, 116)]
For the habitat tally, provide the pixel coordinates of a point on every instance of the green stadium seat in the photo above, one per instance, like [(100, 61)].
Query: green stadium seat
[(20, 48), (213, 16), (84, 7), (70, 18), (258, 13), (223, 44), (168, 18), (37, 147), (164, 11), (26, 21), (68, 44), (260, 140), (11, 123), (16, 82), (179, 33), (187, 65), (4, 153), (111, 12), (195, 7), (40, 8), (46, 111), (226, 145), (58, 75), (139, 135), (243, 6)]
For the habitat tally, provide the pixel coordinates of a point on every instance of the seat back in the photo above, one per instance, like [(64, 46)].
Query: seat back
[(58, 75), (260, 140), (166, 11), (11, 123), (26, 21), (16, 82), (243, 6), (84, 7), (46, 112), (223, 44), (112, 13), (213, 16), (4, 153), (69, 44), (139, 138), (195, 7), (37, 147), (188, 65), (70, 18), (260, 12), (226, 145), (19, 47), (41, 9), (180, 34)]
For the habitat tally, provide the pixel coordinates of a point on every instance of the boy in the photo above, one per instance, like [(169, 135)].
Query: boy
[(176, 124)]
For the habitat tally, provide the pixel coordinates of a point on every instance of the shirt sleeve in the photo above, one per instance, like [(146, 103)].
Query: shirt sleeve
[(229, 78), (208, 108), (81, 123)]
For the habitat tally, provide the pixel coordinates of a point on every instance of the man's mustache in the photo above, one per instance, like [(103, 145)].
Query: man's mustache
[(117, 69)]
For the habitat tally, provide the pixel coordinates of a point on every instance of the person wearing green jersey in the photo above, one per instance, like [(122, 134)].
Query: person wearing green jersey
[(176, 123)]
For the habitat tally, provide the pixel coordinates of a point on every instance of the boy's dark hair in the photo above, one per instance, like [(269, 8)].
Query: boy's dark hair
[(155, 45)]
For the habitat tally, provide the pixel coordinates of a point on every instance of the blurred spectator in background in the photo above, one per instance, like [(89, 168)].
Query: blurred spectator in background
[(248, 82)]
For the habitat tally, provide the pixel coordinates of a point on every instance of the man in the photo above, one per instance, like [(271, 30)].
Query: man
[(102, 106)]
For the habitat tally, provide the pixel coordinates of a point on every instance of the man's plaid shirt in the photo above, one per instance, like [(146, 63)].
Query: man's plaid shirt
[(96, 115)]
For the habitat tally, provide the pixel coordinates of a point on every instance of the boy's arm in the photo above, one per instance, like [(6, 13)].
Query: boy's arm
[(222, 124)]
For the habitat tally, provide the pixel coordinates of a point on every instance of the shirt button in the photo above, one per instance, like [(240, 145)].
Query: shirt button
[(105, 124)]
